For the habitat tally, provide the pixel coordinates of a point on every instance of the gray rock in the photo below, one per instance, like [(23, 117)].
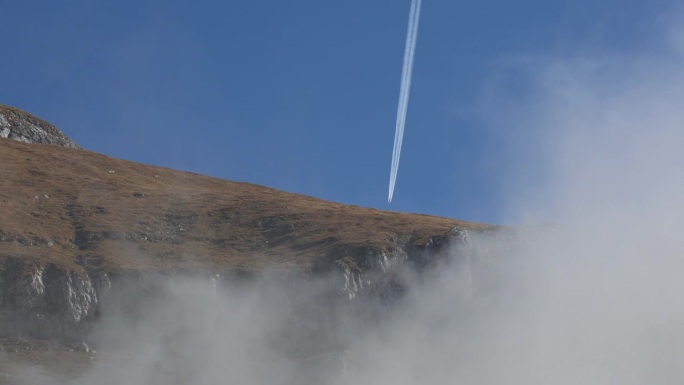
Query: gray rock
[(39, 301), (24, 127)]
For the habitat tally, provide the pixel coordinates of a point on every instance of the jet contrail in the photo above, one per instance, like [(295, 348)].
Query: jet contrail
[(409, 52)]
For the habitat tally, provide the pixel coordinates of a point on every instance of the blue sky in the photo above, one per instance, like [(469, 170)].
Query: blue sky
[(302, 95)]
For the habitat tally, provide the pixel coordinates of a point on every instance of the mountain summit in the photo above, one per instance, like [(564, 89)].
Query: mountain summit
[(24, 127)]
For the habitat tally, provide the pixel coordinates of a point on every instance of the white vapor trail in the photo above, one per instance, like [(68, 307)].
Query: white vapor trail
[(407, 71)]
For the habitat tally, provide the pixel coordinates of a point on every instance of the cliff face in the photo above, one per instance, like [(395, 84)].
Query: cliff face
[(45, 301)]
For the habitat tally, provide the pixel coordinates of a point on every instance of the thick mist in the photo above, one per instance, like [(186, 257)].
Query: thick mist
[(595, 297)]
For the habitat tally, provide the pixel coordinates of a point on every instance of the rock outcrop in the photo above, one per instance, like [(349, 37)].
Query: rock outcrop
[(46, 301), (24, 127)]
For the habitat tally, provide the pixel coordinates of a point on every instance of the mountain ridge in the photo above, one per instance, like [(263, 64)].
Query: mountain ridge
[(80, 203)]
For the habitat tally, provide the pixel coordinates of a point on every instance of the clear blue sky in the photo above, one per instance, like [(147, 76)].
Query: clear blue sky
[(301, 95)]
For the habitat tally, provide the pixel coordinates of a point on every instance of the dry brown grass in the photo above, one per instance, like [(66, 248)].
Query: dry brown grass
[(80, 209)]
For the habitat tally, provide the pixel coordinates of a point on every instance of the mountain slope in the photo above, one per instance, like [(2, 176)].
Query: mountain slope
[(82, 233), (84, 210)]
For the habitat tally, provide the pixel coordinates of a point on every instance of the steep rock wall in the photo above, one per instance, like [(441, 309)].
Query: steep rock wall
[(45, 301), (50, 302)]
